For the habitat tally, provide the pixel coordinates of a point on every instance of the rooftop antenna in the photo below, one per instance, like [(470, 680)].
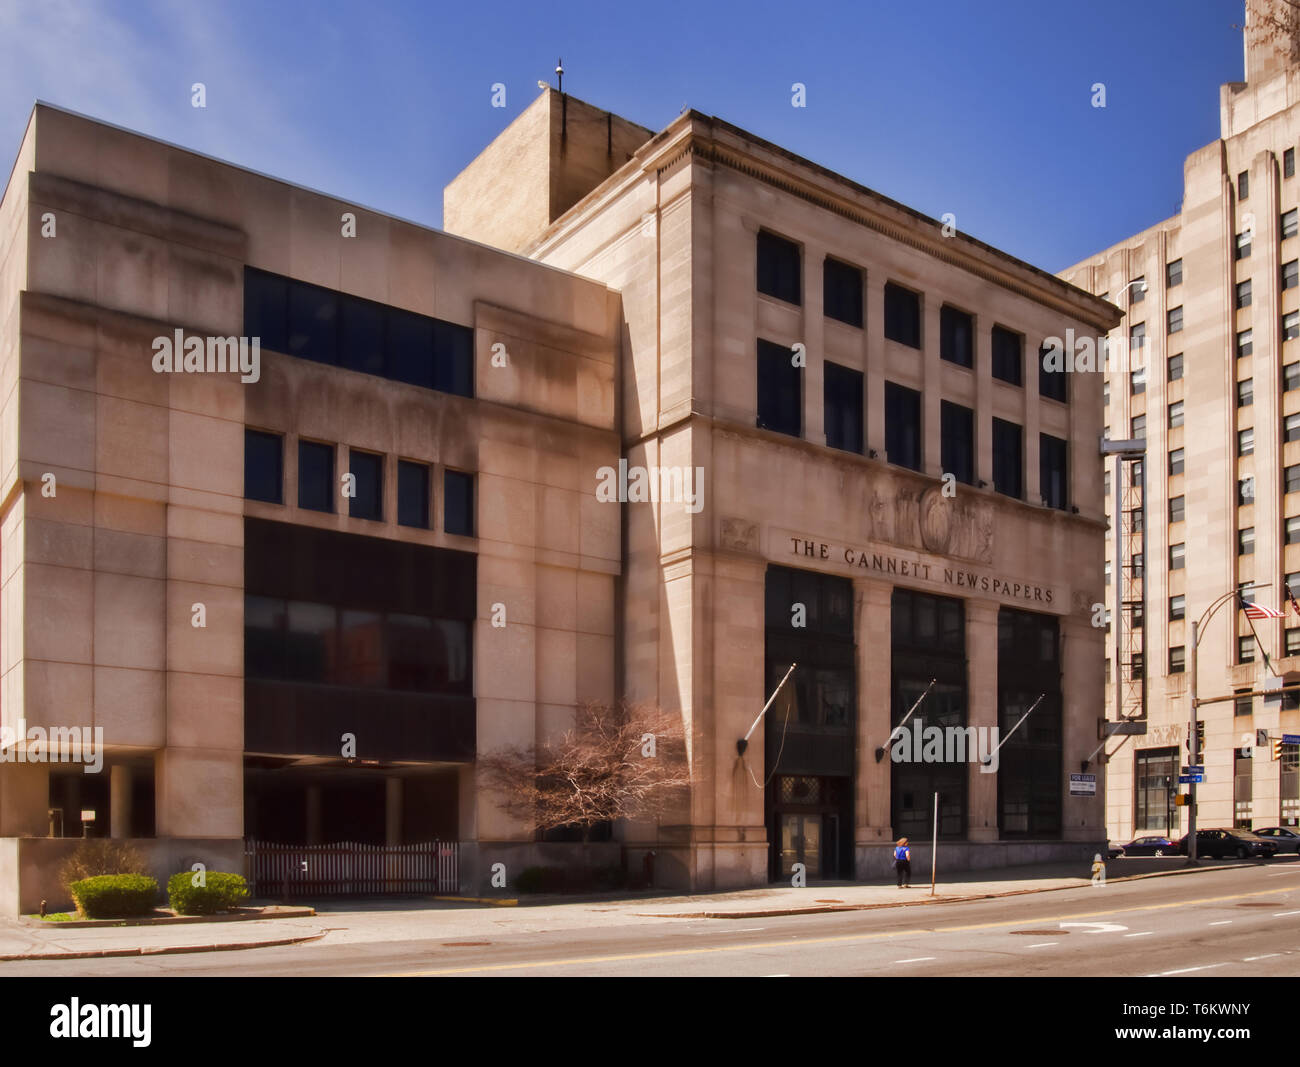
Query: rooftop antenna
[(559, 74)]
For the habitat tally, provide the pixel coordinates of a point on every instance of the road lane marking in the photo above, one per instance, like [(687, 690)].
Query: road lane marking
[(1269, 956), (1186, 970), (1044, 944), (1144, 933), (1280, 914), (1222, 922), (794, 940), (776, 976), (918, 959), (1099, 928)]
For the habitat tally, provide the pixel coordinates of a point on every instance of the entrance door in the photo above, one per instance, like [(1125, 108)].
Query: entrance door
[(801, 843)]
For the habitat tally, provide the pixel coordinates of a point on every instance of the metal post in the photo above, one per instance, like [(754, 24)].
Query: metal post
[(934, 844), (1193, 749)]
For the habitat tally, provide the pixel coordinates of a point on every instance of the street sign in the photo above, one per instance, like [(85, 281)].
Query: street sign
[(1188, 779), (1291, 739), (1194, 769), (1083, 785)]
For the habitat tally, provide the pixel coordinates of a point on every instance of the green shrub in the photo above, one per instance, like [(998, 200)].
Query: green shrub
[(114, 896), (222, 892), (571, 880), (100, 855)]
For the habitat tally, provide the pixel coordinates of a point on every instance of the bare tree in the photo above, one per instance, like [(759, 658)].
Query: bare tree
[(619, 761)]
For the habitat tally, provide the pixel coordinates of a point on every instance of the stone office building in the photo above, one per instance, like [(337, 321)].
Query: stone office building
[(275, 592), (1212, 316)]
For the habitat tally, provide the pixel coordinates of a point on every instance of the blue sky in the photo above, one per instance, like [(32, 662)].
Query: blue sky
[(977, 107)]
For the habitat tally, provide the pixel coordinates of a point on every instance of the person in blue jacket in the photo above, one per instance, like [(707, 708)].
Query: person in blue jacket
[(903, 863)]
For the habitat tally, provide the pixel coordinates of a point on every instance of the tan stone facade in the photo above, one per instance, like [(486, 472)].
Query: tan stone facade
[(1220, 294)]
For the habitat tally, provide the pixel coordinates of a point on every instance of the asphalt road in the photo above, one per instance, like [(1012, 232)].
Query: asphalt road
[(1233, 923)]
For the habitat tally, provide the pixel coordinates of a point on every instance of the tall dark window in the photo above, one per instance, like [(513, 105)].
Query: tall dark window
[(1155, 777), (458, 503), (902, 315), (956, 336), (903, 426), (842, 388), (780, 390), (1029, 775), (325, 326), (412, 494), (842, 292), (1174, 273), (315, 476), (367, 469), (1008, 459), (1053, 471), (778, 268), (1008, 355), (957, 430), (1051, 383), (263, 466), (928, 641)]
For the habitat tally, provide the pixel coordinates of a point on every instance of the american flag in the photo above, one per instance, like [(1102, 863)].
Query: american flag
[(1291, 598), (1258, 611)]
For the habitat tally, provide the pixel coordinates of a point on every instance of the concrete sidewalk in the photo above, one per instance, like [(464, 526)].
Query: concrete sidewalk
[(414, 919)]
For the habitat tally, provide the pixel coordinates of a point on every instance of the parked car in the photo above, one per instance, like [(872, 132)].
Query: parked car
[(1287, 838), (1146, 846), (1218, 843)]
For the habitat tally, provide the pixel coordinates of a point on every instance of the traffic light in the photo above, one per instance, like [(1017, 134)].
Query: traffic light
[(1200, 738), (1277, 748)]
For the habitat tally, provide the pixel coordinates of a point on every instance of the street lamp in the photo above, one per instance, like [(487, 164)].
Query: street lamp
[(1193, 741)]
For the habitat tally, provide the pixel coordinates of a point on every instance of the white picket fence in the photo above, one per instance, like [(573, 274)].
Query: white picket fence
[(350, 868)]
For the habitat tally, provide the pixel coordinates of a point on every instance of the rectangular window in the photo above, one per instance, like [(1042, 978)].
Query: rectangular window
[(1175, 414), (1138, 289), (1008, 351), (1244, 703), (412, 494), (1053, 471), (1177, 556), (1245, 491), (1008, 459), (1246, 649), (1293, 642), (956, 336), (1106, 571), (779, 272), (1290, 377), (842, 393), (1243, 294), (1243, 185), (1176, 509), (1175, 367), (1246, 541), (902, 315), (1243, 246), (1174, 273), (958, 441), (1177, 607), (1290, 325), (1291, 428), (1289, 224), (1051, 383), (1137, 381), (780, 390), (458, 503), (1137, 427), (263, 466), (1245, 392), (1245, 344), (266, 309), (315, 476), (1288, 163), (1135, 468), (1137, 562), (1292, 536), (1292, 581), (1292, 479), (1177, 663), (367, 470), (1245, 441), (313, 323), (1137, 337), (1291, 274), (361, 335), (842, 292), (1175, 319), (1105, 394), (903, 426), (1246, 591)]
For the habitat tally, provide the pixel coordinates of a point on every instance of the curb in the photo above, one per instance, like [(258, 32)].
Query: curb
[(164, 920), (165, 950), (768, 913), (500, 902)]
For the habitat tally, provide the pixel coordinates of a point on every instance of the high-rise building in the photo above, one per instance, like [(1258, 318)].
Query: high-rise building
[(1205, 369)]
